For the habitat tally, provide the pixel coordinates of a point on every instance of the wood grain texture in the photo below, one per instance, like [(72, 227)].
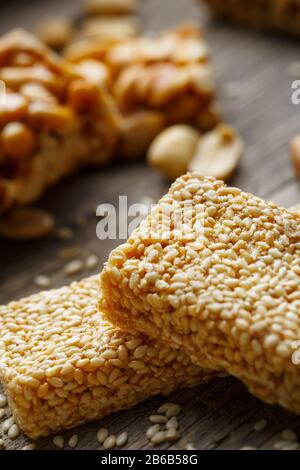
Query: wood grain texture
[(219, 415)]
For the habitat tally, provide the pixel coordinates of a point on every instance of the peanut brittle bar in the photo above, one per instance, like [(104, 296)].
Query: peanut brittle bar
[(52, 121), (62, 364), (280, 15), (215, 272)]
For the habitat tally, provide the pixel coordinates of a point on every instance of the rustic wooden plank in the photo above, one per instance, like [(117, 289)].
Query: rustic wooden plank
[(220, 415)]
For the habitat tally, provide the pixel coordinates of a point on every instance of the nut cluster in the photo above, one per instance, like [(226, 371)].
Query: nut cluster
[(51, 118), (228, 295), (62, 364), (170, 74)]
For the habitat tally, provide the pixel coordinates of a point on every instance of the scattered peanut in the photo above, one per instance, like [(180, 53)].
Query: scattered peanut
[(295, 154), (218, 153), (172, 150), (26, 223)]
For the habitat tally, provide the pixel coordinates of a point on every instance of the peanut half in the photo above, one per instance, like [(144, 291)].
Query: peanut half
[(26, 223), (218, 153), (172, 150)]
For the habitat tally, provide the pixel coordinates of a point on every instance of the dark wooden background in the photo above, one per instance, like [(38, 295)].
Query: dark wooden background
[(220, 415)]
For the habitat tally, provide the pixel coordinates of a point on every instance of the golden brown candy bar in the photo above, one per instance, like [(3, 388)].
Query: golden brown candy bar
[(170, 74), (215, 272), (279, 15), (52, 121), (62, 364)]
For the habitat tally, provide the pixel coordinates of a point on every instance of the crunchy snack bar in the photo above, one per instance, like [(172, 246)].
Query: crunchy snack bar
[(280, 15), (52, 120), (223, 286), (170, 74), (62, 364)]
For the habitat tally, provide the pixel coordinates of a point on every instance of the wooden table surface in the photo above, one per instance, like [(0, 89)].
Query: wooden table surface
[(220, 415)]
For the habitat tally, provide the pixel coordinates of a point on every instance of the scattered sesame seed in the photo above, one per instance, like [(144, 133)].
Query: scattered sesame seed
[(29, 447), (74, 267), (58, 441), (102, 434), (280, 444), (122, 439), (190, 446), (2, 444), (260, 425), (69, 252), (152, 430), (92, 262), (289, 435), (2, 412), (64, 233), (171, 435), (42, 281), (158, 419), (7, 424), (248, 448), (13, 431), (172, 423), (73, 441), (3, 400), (173, 410), (158, 438), (110, 442)]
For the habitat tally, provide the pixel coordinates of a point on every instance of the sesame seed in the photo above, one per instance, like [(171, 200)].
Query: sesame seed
[(260, 425), (3, 400), (190, 446), (102, 434), (173, 410), (59, 442), (172, 423), (73, 441), (158, 419), (92, 262), (122, 439), (152, 430), (248, 448), (2, 413), (289, 435), (73, 267), (29, 447), (13, 431), (7, 424), (110, 442), (171, 435), (2, 444), (42, 281), (64, 233), (158, 438)]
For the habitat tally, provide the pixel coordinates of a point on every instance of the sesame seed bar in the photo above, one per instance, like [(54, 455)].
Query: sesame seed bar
[(62, 364), (277, 15), (170, 74), (223, 286), (52, 120)]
